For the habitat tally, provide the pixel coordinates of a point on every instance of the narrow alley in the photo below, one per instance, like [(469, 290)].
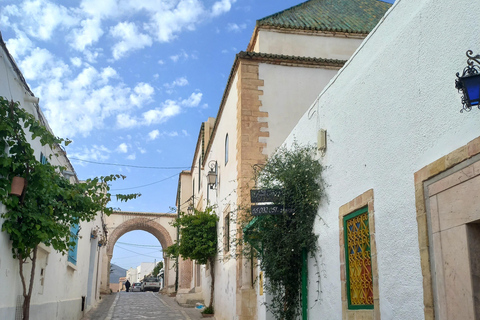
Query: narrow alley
[(141, 305)]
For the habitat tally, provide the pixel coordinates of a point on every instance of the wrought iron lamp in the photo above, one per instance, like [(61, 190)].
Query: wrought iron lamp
[(469, 82), (212, 174)]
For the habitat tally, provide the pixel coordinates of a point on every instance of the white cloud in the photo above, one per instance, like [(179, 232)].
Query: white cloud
[(152, 135), (131, 39), (179, 82), (142, 150), (185, 133), (76, 61), (19, 46), (95, 153), (161, 62), (170, 19), (131, 156), (122, 148), (222, 6), (168, 110), (142, 93), (41, 64), (235, 27), (89, 33), (193, 101), (125, 121), (101, 9), (40, 18)]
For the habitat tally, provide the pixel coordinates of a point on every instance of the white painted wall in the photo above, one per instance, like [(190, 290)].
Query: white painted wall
[(306, 45), (63, 284), (144, 269), (392, 110), (287, 93), (222, 197)]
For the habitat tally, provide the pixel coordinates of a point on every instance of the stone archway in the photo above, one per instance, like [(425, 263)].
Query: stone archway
[(157, 224)]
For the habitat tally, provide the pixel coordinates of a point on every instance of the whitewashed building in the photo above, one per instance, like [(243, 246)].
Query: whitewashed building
[(65, 287), (291, 56), (399, 152)]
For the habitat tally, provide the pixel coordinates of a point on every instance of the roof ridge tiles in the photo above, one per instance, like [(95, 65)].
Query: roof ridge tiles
[(349, 16)]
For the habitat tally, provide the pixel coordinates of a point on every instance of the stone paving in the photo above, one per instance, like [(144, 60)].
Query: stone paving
[(141, 305)]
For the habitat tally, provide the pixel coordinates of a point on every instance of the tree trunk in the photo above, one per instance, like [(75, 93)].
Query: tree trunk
[(212, 274), (27, 293)]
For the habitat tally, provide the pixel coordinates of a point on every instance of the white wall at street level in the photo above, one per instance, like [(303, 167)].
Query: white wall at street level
[(392, 110)]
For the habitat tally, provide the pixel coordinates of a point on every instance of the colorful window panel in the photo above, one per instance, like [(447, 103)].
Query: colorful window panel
[(358, 260)]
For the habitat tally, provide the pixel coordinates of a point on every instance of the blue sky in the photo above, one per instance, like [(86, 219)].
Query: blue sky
[(130, 81)]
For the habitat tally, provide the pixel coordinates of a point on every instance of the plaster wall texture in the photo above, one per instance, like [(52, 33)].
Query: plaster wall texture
[(390, 111), (306, 45), (224, 198), (60, 296), (287, 92)]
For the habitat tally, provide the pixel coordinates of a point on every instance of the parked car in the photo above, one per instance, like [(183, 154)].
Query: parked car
[(136, 287), (151, 284)]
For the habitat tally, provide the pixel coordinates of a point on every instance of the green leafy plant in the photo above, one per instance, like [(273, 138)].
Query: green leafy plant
[(198, 240), (280, 239), (157, 269), (49, 205), (208, 310)]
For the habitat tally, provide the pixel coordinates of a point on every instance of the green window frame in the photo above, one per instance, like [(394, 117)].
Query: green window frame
[(358, 260)]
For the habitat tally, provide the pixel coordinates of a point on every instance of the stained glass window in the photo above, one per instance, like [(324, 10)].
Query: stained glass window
[(358, 260)]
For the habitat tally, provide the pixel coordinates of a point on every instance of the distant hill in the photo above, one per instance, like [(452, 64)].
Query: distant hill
[(117, 272)]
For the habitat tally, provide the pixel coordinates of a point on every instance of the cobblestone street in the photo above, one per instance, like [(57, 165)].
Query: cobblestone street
[(141, 305)]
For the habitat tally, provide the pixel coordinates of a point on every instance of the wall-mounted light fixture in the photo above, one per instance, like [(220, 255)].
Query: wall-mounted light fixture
[(211, 177), (212, 174), (469, 82)]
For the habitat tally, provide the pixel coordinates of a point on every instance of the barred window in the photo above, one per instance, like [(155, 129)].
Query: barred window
[(358, 260)]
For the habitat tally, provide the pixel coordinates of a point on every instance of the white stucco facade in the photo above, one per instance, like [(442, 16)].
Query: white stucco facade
[(58, 284), (392, 110)]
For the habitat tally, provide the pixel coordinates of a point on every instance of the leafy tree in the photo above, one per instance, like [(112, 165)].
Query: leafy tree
[(157, 269), (198, 240), (49, 205)]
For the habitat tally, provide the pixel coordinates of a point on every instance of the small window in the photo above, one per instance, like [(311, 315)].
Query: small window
[(72, 251), (43, 159), (358, 260), (226, 149), (226, 233)]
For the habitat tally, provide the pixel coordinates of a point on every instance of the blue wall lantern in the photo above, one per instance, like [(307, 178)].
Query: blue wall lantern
[(469, 82)]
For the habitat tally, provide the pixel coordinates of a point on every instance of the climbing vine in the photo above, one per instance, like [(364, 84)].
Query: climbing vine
[(280, 239)]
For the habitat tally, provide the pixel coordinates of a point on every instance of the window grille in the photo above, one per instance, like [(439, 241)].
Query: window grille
[(358, 260)]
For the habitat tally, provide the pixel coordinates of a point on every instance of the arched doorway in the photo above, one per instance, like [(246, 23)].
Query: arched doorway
[(157, 224)]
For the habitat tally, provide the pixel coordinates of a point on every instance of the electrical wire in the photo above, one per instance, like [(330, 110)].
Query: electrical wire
[(141, 254), (128, 165), (146, 185), (138, 245)]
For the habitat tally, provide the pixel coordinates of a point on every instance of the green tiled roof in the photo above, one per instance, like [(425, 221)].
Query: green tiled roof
[(352, 16)]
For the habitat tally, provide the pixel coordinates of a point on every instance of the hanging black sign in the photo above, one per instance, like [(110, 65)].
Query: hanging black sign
[(266, 195)]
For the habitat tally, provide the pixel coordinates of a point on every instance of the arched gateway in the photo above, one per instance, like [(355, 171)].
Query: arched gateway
[(158, 224)]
